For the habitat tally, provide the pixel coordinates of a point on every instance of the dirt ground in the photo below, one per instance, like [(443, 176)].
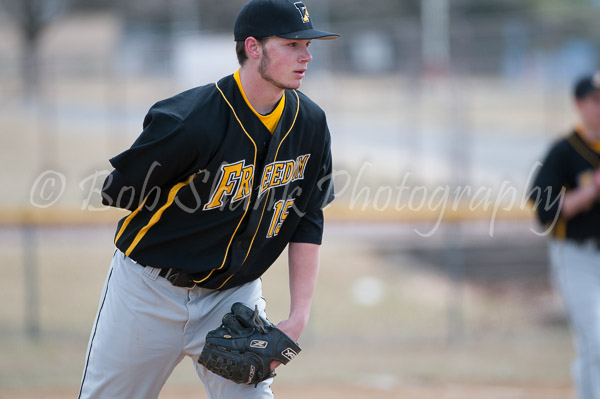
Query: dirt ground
[(454, 391), (419, 335), (394, 316), (425, 391)]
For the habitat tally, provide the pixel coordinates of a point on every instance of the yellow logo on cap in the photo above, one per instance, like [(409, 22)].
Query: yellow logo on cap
[(303, 11)]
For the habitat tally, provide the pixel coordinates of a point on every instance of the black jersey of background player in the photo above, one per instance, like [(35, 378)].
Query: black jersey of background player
[(213, 193), (570, 163)]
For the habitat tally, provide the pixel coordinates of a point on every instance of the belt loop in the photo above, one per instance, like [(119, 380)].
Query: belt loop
[(168, 273), (151, 272), (178, 278)]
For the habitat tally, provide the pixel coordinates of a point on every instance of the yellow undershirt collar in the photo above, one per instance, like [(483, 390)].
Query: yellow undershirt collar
[(593, 144), (271, 120)]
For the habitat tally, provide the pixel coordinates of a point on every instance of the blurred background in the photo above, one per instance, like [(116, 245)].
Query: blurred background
[(434, 278)]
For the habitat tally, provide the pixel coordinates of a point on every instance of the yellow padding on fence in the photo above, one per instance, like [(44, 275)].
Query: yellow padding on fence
[(338, 211)]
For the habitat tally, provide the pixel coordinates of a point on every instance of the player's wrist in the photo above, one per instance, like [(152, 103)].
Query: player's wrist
[(299, 319), (590, 193), (293, 328)]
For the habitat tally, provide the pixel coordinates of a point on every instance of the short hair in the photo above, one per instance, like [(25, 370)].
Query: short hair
[(240, 49)]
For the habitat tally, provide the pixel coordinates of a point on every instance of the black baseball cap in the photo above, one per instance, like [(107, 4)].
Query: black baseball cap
[(284, 18), (586, 86)]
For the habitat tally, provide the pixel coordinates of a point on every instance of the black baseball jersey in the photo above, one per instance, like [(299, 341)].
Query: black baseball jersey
[(213, 192), (570, 163)]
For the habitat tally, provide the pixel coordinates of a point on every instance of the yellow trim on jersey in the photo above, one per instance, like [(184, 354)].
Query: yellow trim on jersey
[(583, 150), (560, 231), (249, 196), (258, 228), (271, 120), (156, 217), (274, 159), (128, 220), (225, 282), (593, 144)]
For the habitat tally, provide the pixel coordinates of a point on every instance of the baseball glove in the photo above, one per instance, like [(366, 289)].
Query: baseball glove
[(242, 348)]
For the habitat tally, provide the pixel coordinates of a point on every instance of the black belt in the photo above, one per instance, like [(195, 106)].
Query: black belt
[(178, 278), (594, 241)]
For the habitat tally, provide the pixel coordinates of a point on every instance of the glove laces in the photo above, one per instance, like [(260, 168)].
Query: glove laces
[(258, 321)]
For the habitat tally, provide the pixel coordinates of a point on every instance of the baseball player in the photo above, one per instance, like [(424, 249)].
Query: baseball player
[(222, 178), (566, 194)]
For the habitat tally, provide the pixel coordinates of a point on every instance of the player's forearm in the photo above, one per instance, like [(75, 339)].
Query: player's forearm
[(304, 269), (578, 200)]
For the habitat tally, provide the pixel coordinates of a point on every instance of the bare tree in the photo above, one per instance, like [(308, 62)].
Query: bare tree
[(32, 16)]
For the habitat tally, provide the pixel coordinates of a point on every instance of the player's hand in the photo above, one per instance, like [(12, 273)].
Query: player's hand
[(597, 180), (292, 329)]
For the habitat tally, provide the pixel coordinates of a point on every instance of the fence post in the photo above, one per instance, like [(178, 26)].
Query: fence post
[(454, 264), (31, 281)]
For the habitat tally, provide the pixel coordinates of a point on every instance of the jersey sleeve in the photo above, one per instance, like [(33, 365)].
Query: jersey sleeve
[(162, 155), (323, 193), (548, 187), (310, 228)]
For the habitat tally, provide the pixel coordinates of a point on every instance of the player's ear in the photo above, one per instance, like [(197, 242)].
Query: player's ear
[(253, 48)]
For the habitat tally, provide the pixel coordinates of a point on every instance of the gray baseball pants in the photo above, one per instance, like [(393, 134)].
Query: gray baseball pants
[(576, 273), (145, 326)]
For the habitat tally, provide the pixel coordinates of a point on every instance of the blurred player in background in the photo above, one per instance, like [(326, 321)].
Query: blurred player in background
[(566, 193)]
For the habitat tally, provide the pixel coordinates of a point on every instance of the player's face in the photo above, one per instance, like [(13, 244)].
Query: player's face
[(589, 109), (284, 62)]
